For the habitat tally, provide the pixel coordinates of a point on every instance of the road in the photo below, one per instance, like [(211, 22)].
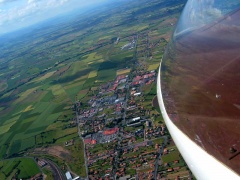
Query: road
[(159, 156), (57, 173), (80, 135), (129, 84)]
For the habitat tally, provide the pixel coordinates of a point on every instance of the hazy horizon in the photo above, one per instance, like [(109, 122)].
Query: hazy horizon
[(18, 14)]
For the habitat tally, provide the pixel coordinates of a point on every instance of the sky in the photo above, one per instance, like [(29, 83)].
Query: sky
[(16, 14)]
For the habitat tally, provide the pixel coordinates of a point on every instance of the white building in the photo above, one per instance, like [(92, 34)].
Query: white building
[(68, 176)]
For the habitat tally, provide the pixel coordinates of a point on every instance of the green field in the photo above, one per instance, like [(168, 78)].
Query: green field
[(153, 67), (172, 156), (18, 166)]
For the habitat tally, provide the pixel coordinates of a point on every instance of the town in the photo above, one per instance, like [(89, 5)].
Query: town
[(123, 132), (85, 106)]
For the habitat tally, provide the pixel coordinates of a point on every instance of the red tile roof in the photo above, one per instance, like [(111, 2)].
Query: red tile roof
[(93, 141), (88, 141), (111, 131)]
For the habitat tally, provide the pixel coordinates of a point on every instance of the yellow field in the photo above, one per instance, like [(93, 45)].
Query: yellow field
[(94, 88), (29, 108), (101, 60), (153, 33), (11, 120), (153, 67), (61, 65), (57, 90), (67, 107), (75, 84), (26, 94), (5, 128), (77, 80), (45, 76), (142, 28), (104, 38), (92, 74), (123, 71), (7, 94), (92, 57)]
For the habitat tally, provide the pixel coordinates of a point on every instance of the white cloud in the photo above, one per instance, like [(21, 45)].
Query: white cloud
[(25, 12), (22, 13), (31, 1), (6, 1)]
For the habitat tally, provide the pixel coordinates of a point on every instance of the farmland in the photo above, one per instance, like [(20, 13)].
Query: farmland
[(8, 168), (40, 82)]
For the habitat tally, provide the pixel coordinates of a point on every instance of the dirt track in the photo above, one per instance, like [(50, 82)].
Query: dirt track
[(55, 151)]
